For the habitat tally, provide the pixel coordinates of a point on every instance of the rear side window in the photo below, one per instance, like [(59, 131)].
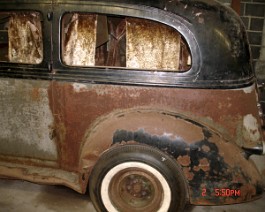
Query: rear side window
[(112, 41), (21, 37)]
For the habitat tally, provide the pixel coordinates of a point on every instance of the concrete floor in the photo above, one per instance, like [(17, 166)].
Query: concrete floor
[(28, 197)]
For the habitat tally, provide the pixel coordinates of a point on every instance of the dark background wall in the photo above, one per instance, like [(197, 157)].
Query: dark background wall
[(252, 13)]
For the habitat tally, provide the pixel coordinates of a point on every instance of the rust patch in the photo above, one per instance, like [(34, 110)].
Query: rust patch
[(88, 116), (204, 168), (204, 164), (187, 172), (184, 160), (35, 94), (205, 148)]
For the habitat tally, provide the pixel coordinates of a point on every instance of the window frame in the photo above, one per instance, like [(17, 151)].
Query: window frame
[(120, 75), (43, 70), (158, 24)]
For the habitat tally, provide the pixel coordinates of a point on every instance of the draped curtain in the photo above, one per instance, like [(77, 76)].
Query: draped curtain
[(25, 38), (151, 45), (80, 40)]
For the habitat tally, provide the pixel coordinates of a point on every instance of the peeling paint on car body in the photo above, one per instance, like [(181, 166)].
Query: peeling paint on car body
[(26, 120), (251, 127), (57, 119), (207, 163)]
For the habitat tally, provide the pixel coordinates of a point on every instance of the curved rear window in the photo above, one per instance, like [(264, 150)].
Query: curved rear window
[(114, 41)]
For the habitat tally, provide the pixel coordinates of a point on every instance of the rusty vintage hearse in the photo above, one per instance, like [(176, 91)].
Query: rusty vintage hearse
[(150, 105)]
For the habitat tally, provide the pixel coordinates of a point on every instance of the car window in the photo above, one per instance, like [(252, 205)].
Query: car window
[(21, 37), (115, 41)]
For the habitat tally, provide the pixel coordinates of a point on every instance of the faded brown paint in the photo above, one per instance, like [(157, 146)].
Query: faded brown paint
[(76, 109), (101, 134), (91, 114), (103, 131), (87, 116)]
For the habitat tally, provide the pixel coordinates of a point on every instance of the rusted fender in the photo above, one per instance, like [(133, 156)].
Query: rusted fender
[(208, 161)]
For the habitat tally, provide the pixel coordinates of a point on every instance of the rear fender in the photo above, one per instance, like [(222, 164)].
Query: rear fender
[(215, 169)]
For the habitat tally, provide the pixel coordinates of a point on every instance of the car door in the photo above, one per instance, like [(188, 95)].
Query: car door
[(25, 82)]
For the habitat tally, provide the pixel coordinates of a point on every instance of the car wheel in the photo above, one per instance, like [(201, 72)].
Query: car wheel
[(137, 178)]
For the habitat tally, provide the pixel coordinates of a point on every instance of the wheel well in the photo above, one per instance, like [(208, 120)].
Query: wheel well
[(153, 128)]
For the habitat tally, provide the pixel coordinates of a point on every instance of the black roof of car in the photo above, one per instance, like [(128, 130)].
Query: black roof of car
[(215, 34)]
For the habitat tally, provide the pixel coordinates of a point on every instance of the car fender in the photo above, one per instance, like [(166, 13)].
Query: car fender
[(215, 169)]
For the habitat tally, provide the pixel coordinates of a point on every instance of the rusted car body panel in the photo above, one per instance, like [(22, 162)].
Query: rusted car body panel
[(82, 130), (57, 120)]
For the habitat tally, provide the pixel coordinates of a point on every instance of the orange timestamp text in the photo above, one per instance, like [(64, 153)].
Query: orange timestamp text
[(223, 192)]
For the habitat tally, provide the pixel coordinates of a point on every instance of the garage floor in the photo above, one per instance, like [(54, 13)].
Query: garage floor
[(27, 197)]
